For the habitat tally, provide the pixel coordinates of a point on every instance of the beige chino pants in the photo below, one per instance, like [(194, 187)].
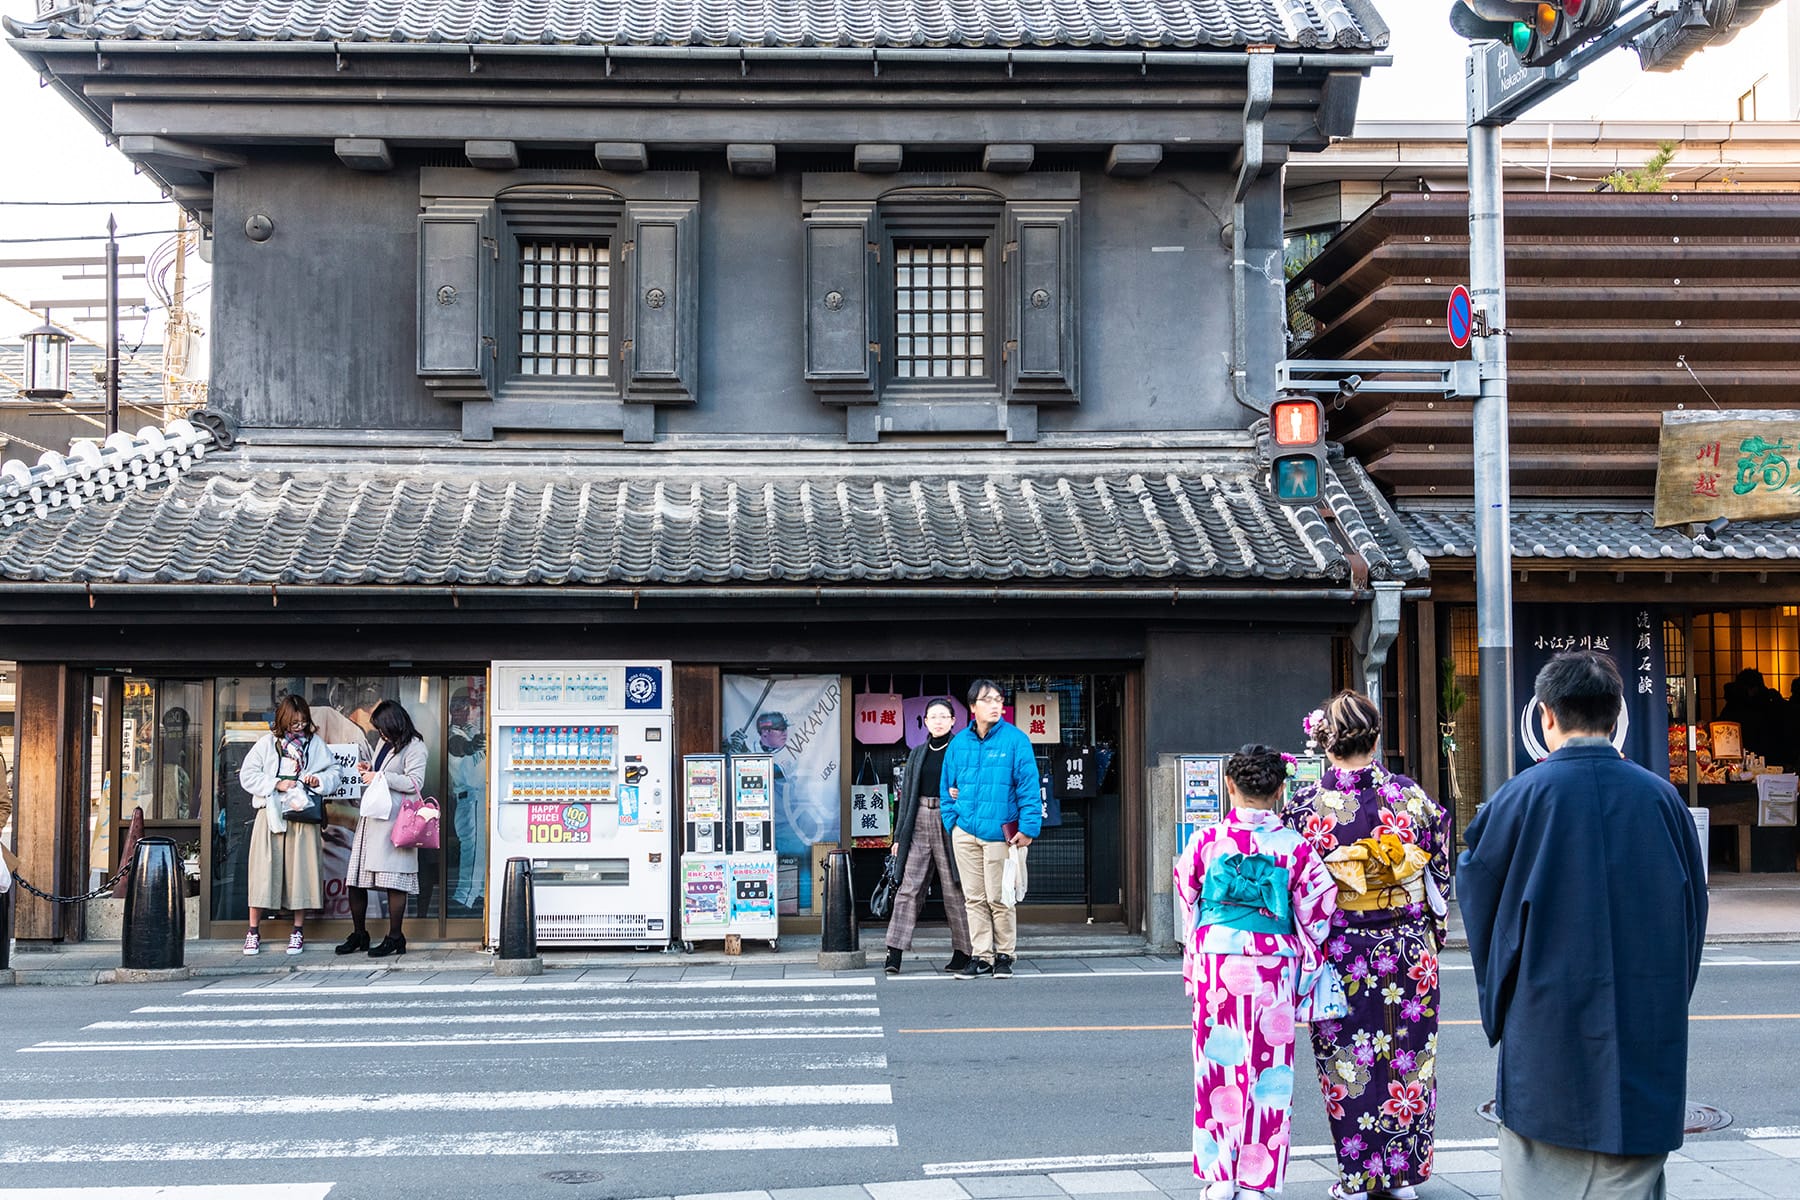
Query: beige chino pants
[(993, 927)]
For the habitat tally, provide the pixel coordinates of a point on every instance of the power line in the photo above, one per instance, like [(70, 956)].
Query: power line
[(75, 203), (95, 237)]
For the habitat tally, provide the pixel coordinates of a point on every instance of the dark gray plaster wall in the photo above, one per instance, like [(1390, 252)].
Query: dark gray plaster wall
[(1213, 690), (316, 327)]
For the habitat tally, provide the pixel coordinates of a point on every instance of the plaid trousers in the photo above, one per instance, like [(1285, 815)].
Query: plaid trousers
[(930, 849)]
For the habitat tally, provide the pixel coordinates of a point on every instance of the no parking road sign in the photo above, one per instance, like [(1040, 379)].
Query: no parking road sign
[(1459, 318)]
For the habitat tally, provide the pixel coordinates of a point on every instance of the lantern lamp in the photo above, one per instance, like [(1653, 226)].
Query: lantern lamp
[(46, 363)]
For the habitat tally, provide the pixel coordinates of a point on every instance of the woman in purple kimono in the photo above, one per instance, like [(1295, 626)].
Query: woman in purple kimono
[(1387, 844)]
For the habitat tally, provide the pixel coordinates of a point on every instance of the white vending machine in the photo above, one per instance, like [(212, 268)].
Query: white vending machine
[(582, 786)]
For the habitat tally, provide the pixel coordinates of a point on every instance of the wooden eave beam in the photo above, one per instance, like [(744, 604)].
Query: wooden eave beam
[(178, 155)]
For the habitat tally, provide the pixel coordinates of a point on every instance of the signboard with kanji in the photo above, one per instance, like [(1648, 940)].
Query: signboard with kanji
[(1736, 463), (1040, 716)]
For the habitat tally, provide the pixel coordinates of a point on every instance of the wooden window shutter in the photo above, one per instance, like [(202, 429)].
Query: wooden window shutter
[(840, 274), (456, 294), (662, 303), (1042, 299)]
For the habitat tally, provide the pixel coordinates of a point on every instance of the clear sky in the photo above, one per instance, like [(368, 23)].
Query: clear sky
[(48, 152)]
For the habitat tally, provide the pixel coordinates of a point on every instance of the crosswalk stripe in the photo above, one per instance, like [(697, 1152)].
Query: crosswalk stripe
[(366, 1021), (391, 1005), (487, 986), (113, 1107), (524, 1038), (497, 1144), (200, 1191)]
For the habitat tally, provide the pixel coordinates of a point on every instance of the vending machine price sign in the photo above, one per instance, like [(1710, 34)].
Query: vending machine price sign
[(558, 824)]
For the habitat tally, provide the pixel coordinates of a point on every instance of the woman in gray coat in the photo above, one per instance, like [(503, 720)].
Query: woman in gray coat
[(375, 862), (921, 846)]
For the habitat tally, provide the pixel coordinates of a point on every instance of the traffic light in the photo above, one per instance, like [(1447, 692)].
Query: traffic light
[(1297, 466), (1539, 32)]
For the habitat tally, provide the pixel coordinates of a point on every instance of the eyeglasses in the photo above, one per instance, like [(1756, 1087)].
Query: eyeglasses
[(990, 698)]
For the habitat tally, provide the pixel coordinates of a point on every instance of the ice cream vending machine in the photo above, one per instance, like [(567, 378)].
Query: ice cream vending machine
[(583, 785)]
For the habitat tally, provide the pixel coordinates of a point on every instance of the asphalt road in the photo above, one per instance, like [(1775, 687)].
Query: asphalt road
[(595, 1087)]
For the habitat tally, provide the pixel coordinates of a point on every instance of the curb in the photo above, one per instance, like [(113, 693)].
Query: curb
[(516, 967), (149, 974), (6, 979)]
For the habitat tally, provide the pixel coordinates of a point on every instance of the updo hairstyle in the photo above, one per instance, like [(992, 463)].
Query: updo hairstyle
[(1258, 771), (1352, 725)]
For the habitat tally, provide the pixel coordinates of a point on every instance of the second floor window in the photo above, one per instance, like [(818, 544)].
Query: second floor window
[(940, 310), (565, 305)]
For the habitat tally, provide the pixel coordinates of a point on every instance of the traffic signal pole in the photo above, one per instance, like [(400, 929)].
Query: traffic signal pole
[(1493, 493)]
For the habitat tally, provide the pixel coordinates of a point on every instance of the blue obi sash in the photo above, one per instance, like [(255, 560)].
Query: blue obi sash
[(1247, 892)]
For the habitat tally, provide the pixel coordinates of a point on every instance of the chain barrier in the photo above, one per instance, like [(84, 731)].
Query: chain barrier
[(104, 889)]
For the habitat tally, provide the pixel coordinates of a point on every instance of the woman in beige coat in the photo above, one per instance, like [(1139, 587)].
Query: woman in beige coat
[(375, 862), (286, 855)]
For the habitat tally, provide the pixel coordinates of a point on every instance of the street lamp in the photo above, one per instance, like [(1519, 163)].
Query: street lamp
[(46, 363)]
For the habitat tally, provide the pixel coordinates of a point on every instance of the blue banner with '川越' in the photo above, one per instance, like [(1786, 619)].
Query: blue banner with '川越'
[(1633, 635)]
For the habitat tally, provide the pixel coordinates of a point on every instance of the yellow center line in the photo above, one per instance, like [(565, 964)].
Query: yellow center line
[(1186, 1026)]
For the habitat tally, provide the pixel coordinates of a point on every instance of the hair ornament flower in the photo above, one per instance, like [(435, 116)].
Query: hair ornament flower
[(1312, 725), (1289, 759)]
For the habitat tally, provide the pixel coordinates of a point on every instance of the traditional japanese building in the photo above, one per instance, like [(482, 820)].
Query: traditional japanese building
[(890, 345)]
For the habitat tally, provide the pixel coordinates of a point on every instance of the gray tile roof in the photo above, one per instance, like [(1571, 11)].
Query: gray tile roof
[(1544, 531), (1289, 24), (231, 521)]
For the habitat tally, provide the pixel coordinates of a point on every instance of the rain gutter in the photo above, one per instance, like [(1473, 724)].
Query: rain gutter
[(819, 594)]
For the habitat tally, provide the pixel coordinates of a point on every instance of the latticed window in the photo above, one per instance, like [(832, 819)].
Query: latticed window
[(564, 307), (940, 310)]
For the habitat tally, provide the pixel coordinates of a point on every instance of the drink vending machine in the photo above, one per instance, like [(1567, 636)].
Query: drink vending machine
[(582, 783), (728, 848)]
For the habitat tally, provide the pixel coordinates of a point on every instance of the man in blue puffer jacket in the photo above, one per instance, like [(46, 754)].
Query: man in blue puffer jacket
[(990, 803)]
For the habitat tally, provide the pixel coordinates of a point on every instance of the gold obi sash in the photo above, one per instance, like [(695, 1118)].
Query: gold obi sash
[(1378, 873)]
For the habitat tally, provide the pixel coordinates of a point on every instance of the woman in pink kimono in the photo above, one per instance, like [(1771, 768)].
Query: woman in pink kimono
[(1258, 904)]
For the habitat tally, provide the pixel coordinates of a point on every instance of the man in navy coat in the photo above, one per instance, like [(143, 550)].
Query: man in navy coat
[(1583, 892)]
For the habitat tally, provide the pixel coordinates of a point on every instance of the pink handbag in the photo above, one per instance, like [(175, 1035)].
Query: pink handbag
[(416, 824)]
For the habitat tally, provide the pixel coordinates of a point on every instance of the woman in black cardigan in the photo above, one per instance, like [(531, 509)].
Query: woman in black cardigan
[(921, 845)]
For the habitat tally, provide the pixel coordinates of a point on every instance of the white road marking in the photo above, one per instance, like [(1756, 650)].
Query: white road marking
[(208, 1191), (520, 1039), (116, 1108), (438, 1019), (299, 1005), (1764, 1132), (562, 1144), (1147, 1159), (489, 986), (1034, 976)]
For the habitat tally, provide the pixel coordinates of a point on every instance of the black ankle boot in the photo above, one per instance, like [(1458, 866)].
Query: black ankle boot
[(958, 960), (358, 940), (892, 966), (393, 943)]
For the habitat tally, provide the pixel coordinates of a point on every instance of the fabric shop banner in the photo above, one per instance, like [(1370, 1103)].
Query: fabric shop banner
[(796, 719), (1632, 635), (1736, 463)]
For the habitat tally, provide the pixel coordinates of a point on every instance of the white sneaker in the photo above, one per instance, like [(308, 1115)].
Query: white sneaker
[(296, 942), (253, 942)]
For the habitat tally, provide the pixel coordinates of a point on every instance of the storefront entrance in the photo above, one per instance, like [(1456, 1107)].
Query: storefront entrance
[(175, 746)]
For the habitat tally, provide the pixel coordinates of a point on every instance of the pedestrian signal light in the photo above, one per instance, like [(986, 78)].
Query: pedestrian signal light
[(1297, 429)]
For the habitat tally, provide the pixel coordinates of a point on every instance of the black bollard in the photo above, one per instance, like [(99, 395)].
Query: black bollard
[(839, 933), (518, 911), (155, 915)]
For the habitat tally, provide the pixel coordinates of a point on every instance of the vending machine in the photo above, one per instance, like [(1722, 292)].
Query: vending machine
[(753, 863), (582, 785), (728, 864)]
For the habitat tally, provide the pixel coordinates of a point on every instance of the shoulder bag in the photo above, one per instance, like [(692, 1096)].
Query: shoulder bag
[(881, 901), (416, 824)]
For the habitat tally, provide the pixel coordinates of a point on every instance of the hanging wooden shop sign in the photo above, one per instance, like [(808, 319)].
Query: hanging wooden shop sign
[(1737, 463)]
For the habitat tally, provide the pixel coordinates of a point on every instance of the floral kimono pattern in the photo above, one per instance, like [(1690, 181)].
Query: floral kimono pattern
[(1243, 982), (1378, 1066)]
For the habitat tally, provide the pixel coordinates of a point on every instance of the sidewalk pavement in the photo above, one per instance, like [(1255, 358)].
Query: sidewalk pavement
[(1744, 908), (1713, 1167)]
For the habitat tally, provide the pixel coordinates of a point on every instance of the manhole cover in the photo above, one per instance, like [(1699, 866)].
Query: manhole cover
[(573, 1176), (1700, 1118)]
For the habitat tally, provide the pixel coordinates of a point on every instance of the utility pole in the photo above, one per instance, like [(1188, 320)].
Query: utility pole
[(112, 326), (1493, 484)]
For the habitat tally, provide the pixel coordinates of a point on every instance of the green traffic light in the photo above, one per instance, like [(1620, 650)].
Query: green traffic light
[(1521, 38), (1296, 479)]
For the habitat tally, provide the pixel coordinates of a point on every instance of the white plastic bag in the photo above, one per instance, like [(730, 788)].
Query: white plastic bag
[(1012, 877), (377, 801), (5, 882)]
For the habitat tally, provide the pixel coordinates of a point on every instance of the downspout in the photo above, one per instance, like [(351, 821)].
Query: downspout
[(1260, 72), (1376, 632)]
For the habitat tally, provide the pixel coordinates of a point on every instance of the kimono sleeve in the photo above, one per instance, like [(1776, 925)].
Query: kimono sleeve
[(1496, 938), (1314, 894)]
